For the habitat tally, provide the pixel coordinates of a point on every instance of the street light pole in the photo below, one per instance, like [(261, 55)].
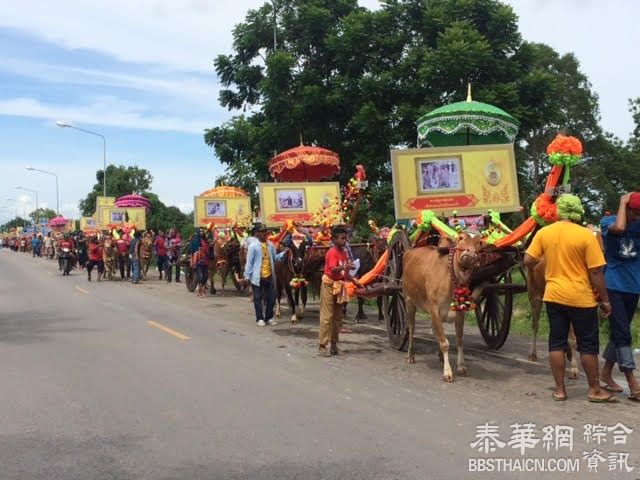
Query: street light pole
[(31, 169), (36, 192), (104, 150), (15, 209)]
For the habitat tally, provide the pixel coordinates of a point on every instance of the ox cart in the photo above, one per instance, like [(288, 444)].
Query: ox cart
[(472, 171), (227, 262), (494, 306)]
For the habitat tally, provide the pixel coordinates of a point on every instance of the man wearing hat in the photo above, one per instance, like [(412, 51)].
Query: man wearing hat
[(259, 270), (574, 262), (621, 235)]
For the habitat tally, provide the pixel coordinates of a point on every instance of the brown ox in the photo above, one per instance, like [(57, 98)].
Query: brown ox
[(218, 262), (427, 283), (290, 267), (146, 253), (109, 256), (535, 289)]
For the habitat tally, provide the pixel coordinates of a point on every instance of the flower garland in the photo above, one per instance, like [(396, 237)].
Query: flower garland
[(544, 210), (298, 282), (565, 151), (338, 210), (427, 220), (462, 301)]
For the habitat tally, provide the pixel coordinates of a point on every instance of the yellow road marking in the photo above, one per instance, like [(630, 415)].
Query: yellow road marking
[(82, 290), (168, 330)]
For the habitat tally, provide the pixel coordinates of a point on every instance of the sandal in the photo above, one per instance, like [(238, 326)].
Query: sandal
[(635, 396), (612, 388), (558, 398), (609, 399)]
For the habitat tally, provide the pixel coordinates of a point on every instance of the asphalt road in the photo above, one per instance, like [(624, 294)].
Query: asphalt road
[(118, 381)]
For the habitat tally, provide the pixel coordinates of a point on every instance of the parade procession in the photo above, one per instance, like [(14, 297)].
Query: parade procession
[(410, 229)]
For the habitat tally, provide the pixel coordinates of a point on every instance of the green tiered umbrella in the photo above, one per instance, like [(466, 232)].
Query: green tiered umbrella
[(466, 123)]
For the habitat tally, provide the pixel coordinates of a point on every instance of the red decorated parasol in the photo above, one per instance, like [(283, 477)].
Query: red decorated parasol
[(57, 222), (133, 201), (304, 163)]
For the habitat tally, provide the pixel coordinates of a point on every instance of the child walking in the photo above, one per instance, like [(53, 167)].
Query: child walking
[(333, 293)]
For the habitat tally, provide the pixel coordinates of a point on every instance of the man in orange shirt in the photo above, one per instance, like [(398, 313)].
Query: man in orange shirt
[(574, 262)]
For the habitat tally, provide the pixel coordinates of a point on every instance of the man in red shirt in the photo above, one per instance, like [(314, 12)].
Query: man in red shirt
[(95, 258), (161, 252), (122, 244), (65, 243), (333, 293)]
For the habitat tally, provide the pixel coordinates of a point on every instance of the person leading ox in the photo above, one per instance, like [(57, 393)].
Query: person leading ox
[(574, 262), (333, 293), (259, 272)]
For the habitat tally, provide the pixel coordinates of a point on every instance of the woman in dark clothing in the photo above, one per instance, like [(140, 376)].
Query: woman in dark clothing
[(199, 250)]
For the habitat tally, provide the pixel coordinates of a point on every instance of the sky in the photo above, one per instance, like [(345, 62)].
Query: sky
[(141, 74)]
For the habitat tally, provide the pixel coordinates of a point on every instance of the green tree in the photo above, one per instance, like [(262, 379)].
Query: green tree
[(612, 167), (121, 181), (42, 213), (355, 81), (126, 180), (163, 217), (14, 223)]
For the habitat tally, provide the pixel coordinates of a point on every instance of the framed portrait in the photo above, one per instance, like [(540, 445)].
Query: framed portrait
[(216, 208), (439, 175), (117, 216), (290, 200)]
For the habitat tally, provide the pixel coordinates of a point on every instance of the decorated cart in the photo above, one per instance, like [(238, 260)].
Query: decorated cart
[(225, 211), (303, 203), (469, 170)]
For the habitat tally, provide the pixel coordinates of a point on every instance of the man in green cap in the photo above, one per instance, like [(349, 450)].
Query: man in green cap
[(574, 269)]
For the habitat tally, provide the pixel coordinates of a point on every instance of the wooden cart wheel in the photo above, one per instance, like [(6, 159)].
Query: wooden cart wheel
[(190, 279), (393, 307), (493, 312)]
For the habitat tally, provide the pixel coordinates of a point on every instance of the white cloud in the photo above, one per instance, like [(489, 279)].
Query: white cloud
[(185, 35), (603, 35), (181, 34), (192, 88), (109, 111)]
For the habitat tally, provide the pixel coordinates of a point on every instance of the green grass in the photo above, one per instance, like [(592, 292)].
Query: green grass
[(521, 323), (521, 320)]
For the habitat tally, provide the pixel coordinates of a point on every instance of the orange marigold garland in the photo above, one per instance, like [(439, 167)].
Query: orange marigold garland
[(564, 150), (544, 210)]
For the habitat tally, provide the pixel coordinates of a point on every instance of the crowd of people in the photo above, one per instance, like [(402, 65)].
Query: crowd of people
[(579, 289), (123, 251), (107, 253)]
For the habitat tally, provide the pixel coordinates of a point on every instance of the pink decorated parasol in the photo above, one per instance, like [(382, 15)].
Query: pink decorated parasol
[(133, 201), (57, 222)]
